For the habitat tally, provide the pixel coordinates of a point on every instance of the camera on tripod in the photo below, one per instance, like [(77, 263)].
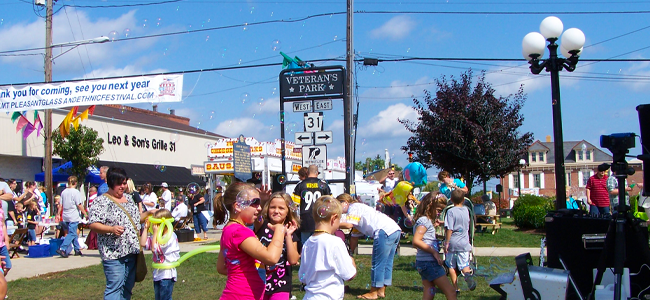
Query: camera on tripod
[(618, 142)]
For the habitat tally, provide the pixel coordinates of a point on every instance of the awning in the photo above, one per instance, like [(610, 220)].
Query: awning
[(141, 174)]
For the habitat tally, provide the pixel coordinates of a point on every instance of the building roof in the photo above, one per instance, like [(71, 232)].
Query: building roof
[(569, 151), (537, 145), (143, 116)]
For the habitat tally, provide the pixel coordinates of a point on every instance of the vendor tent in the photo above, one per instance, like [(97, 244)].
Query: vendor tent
[(61, 174)]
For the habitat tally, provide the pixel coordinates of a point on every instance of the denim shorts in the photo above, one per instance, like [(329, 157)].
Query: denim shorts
[(429, 270), (5, 253), (31, 234)]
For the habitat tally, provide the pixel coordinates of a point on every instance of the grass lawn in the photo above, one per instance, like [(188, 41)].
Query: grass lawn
[(198, 278)]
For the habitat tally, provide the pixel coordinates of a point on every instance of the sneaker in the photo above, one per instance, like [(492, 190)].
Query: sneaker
[(78, 253), (62, 253), (471, 283), (457, 293)]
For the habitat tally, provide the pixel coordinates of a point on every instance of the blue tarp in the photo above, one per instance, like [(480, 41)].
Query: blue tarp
[(60, 174)]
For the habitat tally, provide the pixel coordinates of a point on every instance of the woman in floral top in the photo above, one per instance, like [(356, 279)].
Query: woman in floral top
[(117, 239)]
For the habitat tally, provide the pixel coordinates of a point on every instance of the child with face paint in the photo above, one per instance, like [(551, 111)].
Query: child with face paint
[(239, 206), (280, 209)]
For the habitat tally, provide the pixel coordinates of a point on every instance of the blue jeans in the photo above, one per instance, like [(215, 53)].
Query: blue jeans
[(5, 253), (595, 210), (163, 289), (383, 253), (120, 277), (31, 235), (304, 236), (429, 270), (72, 237), (200, 222)]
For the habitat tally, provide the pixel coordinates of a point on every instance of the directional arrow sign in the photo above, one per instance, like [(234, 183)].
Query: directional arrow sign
[(323, 137), (304, 138)]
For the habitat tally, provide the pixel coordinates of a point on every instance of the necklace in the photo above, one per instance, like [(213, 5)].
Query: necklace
[(321, 231), (237, 221)]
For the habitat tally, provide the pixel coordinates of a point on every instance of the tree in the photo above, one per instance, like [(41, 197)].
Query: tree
[(82, 147), (467, 131), (373, 164)]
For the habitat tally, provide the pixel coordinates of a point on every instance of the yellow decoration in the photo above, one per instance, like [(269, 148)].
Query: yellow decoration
[(170, 265), (165, 223)]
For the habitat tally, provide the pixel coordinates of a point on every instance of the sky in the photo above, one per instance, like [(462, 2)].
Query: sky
[(597, 98)]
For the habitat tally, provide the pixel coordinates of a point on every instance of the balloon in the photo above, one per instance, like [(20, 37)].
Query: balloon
[(162, 239), (401, 192), (170, 265), (416, 174)]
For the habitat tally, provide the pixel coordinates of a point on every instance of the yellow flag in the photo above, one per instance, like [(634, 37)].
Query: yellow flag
[(76, 123), (84, 115)]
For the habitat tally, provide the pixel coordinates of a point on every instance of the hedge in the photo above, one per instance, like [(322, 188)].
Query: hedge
[(529, 211)]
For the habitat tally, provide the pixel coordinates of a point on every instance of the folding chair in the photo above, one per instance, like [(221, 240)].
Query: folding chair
[(16, 241), (182, 223)]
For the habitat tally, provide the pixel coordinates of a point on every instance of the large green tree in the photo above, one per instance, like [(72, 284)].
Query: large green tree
[(466, 130), (82, 147)]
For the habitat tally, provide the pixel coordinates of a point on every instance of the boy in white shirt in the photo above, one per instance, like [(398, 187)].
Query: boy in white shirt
[(169, 252), (325, 263)]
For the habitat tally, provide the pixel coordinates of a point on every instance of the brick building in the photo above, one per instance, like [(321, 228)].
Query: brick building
[(538, 175)]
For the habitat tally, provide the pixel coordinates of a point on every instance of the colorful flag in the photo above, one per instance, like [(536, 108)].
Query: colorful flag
[(75, 123), (39, 127), (28, 130), (91, 110), (22, 122), (83, 116), (15, 116)]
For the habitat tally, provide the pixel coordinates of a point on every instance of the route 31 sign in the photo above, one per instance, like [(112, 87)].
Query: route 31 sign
[(313, 121)]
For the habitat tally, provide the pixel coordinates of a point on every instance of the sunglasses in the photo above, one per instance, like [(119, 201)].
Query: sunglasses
[(244, 200), (391, 173)]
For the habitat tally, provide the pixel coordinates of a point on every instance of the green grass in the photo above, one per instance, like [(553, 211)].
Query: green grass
[(508, 236), (198, 278)]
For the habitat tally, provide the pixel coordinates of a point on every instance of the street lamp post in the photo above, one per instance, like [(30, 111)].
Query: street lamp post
[(533, 49), (522, 163)]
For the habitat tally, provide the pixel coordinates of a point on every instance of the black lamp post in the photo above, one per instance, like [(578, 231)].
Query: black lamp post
[(533, 48)]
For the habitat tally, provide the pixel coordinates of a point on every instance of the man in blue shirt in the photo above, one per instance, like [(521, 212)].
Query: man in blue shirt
[(103, 188), (447, 184)]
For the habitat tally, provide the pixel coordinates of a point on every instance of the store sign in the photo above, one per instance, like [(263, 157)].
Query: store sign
[(197, 170), (295, 168), (218, 167), (242, 159), (140, 89), (139, 142)]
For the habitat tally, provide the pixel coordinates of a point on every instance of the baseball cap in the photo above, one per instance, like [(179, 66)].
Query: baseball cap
[(164, 184)]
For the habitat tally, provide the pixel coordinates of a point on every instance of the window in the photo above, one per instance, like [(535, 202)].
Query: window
[(541, 156), (585, 177), (588, 155), (533, 156), (537, 180), (515, 182), (580, 157), (568, 179)]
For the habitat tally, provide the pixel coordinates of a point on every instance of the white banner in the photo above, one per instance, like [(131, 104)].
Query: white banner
[(154, 89)]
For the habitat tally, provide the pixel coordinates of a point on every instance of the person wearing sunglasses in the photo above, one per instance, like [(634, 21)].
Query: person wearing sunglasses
[(389, 182)]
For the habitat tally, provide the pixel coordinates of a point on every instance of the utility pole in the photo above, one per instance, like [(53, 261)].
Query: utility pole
[(349, 108), (47, 162)]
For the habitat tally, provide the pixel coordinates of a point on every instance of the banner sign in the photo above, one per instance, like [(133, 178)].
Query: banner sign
[(158, 88), (308, 83)]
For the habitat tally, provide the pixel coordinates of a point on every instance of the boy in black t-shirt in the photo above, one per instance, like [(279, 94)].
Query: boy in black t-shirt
[(32, 222), (306, 193)]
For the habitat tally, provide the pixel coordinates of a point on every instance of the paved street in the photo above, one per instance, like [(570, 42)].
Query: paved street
[(25, 267)]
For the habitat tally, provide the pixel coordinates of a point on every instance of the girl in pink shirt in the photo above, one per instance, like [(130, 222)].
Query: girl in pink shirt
[(239, 245)]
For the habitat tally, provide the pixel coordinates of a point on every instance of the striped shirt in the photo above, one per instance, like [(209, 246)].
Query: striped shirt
[(598, 190)]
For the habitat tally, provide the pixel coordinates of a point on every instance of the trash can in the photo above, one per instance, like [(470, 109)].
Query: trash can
[(55, 244)]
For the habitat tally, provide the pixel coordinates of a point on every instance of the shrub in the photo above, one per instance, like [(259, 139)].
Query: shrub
[(529, 211)]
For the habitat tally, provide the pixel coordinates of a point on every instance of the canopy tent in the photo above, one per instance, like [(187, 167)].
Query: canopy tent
[(61, 174), (141, 174)]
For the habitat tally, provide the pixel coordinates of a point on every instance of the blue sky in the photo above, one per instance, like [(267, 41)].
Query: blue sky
[(598, 98)]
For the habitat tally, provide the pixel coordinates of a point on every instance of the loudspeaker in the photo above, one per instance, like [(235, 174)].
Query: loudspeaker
[(500, 188), (569, 236)]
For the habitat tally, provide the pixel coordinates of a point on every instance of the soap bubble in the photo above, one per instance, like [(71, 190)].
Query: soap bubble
[(174, 137), (207, 37), (282, 180), (223, 51), (122, 109), (113, 35), (193, 188), (281, 116), (145, 22), (276, 45), (336, 37), (274, 91), (126, 32), (189, 27), (271, 127), (156, 164), (254, 116), (245, 27), (158, 21), (291, 127), (260, 101), (244, 97), (162, 169), (408, 50)]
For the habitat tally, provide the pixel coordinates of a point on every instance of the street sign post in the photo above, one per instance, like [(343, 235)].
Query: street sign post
[(315, 155), (323, 137), (304, 138), (320, 105), (302, 106), (313, 121)]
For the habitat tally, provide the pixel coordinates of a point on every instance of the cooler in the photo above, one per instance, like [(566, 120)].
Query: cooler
[(55, 244), (39, 251), (185, 235)]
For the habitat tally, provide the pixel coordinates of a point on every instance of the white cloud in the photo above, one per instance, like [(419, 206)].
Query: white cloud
[(268, 106), (80, 27), (641, 69), (126, 71), (507, 80), (385, 123), (247, 127), (188, 113), (396, 28)]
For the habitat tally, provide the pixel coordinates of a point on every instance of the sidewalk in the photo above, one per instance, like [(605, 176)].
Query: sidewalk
[(25, 267)]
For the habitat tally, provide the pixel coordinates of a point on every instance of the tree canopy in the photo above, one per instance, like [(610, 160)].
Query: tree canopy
[(468, 131), (82, 147), (373, 164)]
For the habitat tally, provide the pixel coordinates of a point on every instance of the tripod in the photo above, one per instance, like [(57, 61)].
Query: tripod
[(622, 222)]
